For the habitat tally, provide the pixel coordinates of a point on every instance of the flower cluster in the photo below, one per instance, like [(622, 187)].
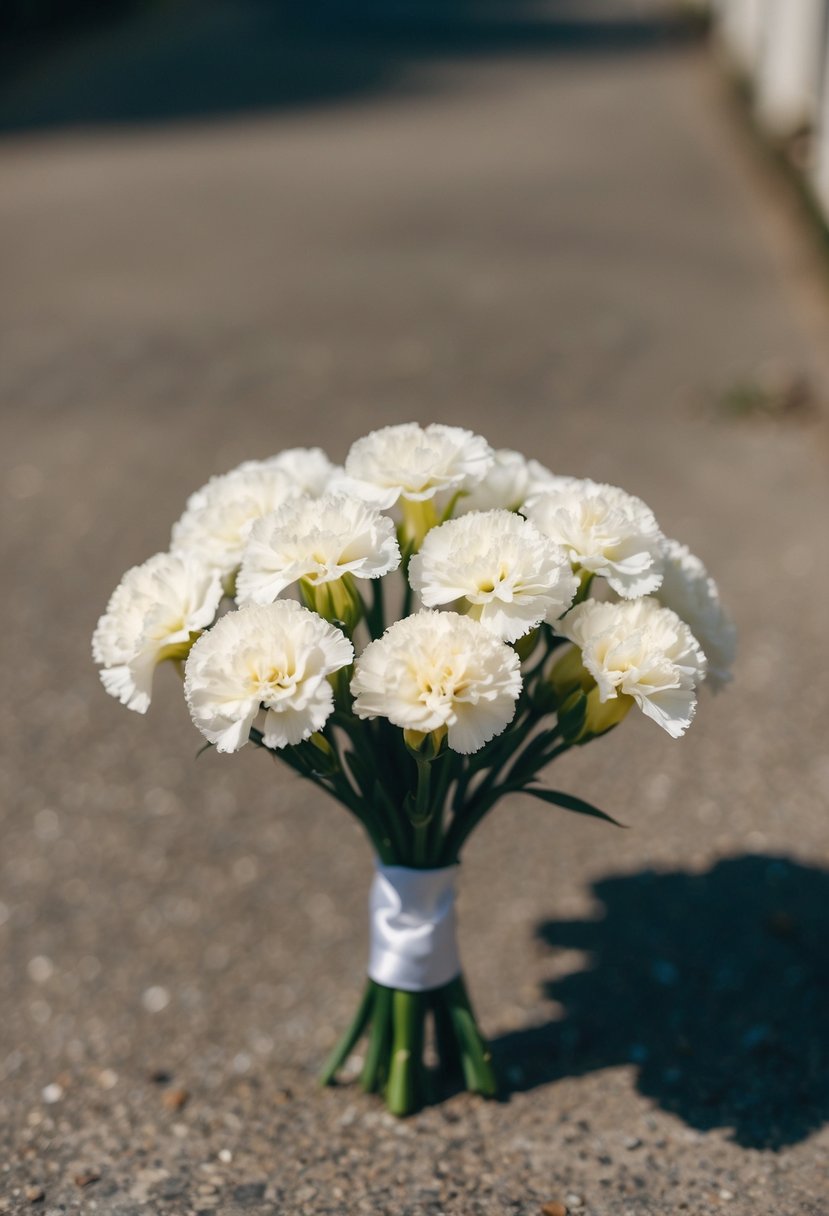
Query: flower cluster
[(500, 545)]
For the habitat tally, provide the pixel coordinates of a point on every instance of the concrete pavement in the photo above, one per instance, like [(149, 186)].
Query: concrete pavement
[(568, 247)]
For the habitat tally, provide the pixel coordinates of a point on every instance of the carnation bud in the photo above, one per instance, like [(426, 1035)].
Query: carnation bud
[(337, 600), (602, 716), (569, 674), (425, 745), (419, 517), (583, 717)]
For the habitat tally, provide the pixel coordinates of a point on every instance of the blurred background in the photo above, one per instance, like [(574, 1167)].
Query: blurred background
[(590, 230)]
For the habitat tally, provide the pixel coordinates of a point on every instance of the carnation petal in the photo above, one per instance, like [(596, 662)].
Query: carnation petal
[(319, 540), (309, 468), (505, 487), (641, 649), (119, 683), (153, 613), (217, 521), (691, 592), (671, 708), (437, 669), (604, 531), (416, 462), (499, 568), (291, 726), (474, 725), (274, 656)]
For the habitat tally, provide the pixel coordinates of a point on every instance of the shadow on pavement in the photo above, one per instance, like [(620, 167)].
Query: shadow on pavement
[(714, 985), (216, 58)]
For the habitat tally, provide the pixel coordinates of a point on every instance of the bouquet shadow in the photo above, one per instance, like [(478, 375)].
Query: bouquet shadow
[(714, 985)]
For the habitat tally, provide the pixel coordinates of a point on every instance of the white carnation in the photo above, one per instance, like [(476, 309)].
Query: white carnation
[(268, 662), (510, 482), (640, 649), (415, 463), (506, 485), (541, 479), (218, 519), (690, 591), (152, 615), (318, 540), (439, 670), (309, 469), (506, 574), (605, 531)]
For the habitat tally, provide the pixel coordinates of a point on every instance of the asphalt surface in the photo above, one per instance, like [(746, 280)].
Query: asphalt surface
[(565, 241)]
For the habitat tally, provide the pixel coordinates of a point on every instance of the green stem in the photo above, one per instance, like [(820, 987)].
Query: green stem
[(375, 615), (446, 1042), (335, 784), (445, 773), (464, 823), (421, 843), (397, 824), (475, 1054), (407, 590), (402, 1093), (394, 1054), (531, 758), (376, 1062), (346, 1044), (424, 785), (422, 812)]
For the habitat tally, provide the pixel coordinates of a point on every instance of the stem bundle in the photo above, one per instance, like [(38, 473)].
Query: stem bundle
[(398, 1024)]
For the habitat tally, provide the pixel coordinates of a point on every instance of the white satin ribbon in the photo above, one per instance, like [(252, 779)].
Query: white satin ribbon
[(413, 942)]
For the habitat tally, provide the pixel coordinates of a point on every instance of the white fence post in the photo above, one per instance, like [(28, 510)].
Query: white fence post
[(781, 47), (821, 157), (741, 25), (790, 64)]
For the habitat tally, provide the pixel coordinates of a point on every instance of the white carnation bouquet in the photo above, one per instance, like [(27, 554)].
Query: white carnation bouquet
[(419, 633)]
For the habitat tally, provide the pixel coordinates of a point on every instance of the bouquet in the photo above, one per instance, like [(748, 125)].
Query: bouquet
[(419, 633)]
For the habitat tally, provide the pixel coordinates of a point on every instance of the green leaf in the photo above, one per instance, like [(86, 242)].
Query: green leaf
[(570, 803)]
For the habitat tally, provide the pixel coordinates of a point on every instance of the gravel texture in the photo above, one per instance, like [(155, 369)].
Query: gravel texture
[(567, 245)]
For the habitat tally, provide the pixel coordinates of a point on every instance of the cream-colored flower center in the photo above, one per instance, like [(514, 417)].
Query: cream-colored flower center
[(166, 626), (486, 586), (273, 681), (442, 685)]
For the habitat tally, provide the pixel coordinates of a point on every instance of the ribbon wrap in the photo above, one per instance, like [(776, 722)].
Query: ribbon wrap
[(413, 944)]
